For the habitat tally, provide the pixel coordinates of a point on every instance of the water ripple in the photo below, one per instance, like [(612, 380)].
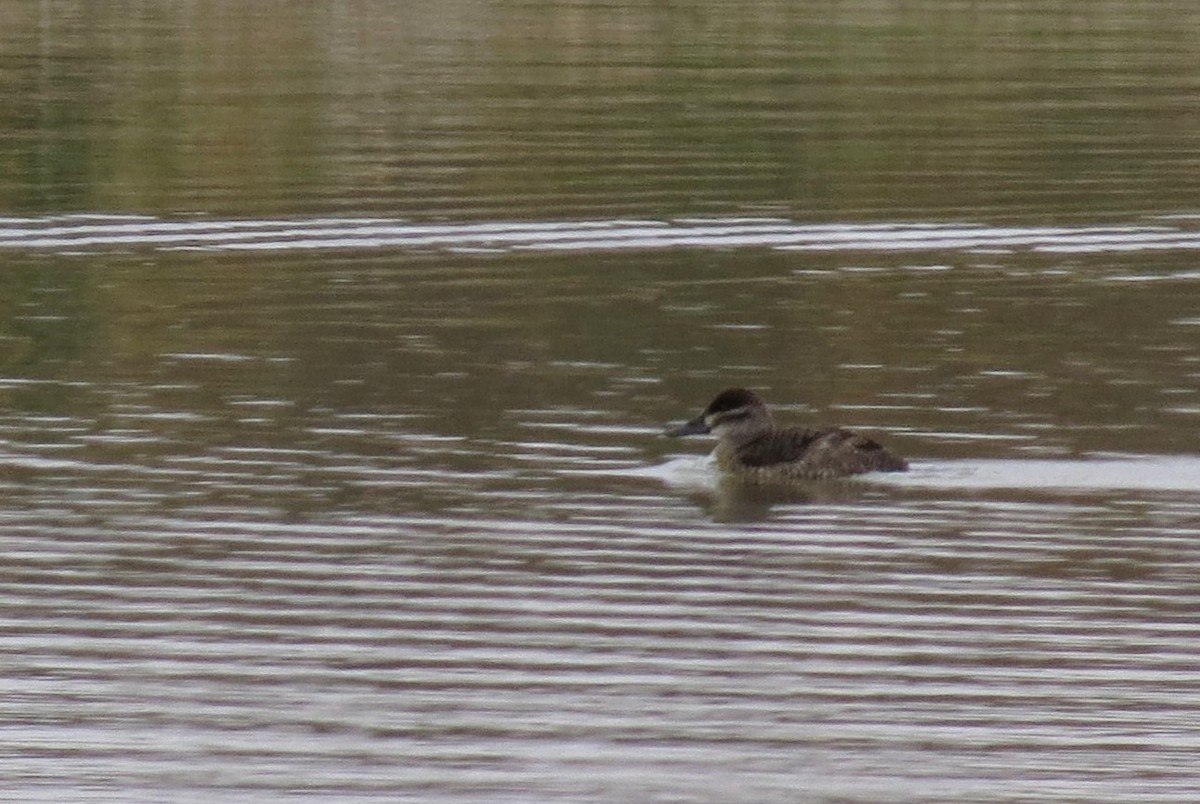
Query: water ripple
[(99, 233)]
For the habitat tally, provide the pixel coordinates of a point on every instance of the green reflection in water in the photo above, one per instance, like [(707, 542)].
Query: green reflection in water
[(550, 110)]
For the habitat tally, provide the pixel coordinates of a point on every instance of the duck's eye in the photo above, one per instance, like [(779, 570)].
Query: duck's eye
[(733, 416)]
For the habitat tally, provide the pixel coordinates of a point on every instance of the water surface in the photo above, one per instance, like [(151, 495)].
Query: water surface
[(336, 346)]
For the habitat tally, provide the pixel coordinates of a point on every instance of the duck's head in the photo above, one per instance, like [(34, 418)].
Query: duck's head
[(734, 411)]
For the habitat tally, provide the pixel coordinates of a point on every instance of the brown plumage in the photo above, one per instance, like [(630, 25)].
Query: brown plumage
[(752, 446)]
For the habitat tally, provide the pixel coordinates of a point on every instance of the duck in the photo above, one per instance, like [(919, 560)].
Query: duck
[(752, 447)]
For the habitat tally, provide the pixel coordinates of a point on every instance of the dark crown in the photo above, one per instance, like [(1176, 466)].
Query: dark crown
[(732, 399)]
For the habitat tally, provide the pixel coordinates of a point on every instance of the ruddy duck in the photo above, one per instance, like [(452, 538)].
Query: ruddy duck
[(752, 446)]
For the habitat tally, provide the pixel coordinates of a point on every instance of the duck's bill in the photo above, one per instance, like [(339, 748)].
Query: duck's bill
[(695, 427)]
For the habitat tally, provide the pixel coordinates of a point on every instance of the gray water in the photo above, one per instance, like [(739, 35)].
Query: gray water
[(336, 347)]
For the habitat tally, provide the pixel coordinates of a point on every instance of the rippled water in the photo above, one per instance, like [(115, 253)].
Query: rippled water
[(336, 346), (425, 539), (92, 232)]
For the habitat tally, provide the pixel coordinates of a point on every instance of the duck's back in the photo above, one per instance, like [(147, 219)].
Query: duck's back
[(798, 452)]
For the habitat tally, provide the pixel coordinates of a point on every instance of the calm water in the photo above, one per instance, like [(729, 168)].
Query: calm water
[(336, 346)]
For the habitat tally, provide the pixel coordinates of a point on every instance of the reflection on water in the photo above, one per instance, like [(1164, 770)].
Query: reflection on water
[(1102, 477), (380, 520), (336, 342), (700, 478), (544, 110), (92, 232)]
